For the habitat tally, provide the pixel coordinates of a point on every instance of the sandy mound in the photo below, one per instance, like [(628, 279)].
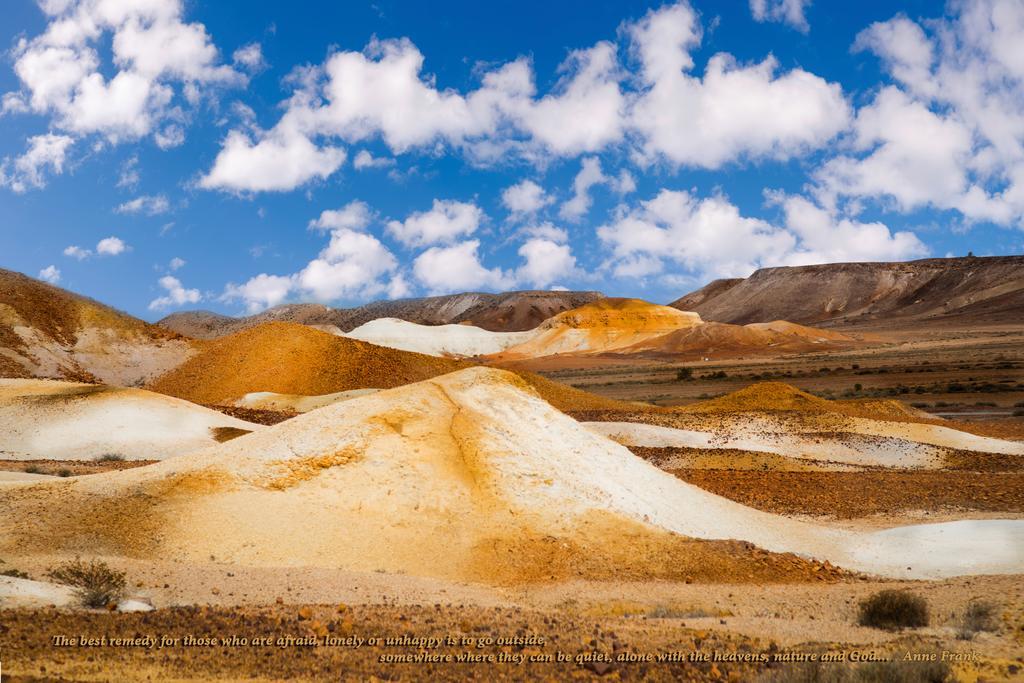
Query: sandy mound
[(67, 421), (634, 327), (766, 396), (46, 331), (288, 358), (454, 477), (459, 341), (600, 327), (307, 367)]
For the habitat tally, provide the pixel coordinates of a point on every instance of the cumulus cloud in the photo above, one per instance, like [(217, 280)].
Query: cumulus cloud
[(364, 160), (709, 237), (159, 63), (353, 265), (385, 93), (176, 263), (77, 252), (545, 262), (590, 174), (280, 160), (110, 246), (249, 57), (260, 292), (151, 205), (457, 268), (733, 111), (786, 11), (948, 133), (51, 274), (827, 238), (177, 294), (45, 154), (355, 215), (525, 198), (446, 221)]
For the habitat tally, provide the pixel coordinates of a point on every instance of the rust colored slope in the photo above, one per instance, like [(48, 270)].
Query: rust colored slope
[(290, 358)]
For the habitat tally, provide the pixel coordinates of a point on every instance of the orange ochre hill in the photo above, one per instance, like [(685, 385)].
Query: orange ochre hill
[(289, 358)]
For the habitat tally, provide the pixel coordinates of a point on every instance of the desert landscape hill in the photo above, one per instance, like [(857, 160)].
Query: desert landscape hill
[(290, 358), (468, 476), (46, 331), (46, 419), (945, 291), (503, 312), (458, 341), (642, 330), (300, 365)]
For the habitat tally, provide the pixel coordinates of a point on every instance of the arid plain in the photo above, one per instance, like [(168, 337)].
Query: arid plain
[(559, 484)]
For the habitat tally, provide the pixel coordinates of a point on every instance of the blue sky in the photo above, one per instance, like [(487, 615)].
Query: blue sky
[(161, 155)]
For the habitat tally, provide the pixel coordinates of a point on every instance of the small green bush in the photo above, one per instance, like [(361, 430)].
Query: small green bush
[(892, 610), (684, 374), (110, 457), (95, 583)]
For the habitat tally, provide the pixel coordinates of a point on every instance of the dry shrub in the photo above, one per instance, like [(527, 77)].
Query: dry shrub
[(893, 610), (979, 616), (95, 583)]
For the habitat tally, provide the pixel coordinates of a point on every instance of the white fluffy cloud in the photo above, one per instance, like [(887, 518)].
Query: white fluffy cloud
[(364, 160), (355, 215), (732, 111), (786, 11), (353, 265), (663, 112), (177, 294), (110, 246), (590, 174), (949, 132), (545, 262), (50, 273), (77, 252), (280, 160), (446, 221), (158, 58), (525, 198), (151, 205), (45, 153), (249, 57), (176, 263), (710, 238), (457, 268), (262, 291)]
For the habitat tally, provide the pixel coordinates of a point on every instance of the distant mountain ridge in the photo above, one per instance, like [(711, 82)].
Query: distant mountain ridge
[(966, 290), (505, 312)]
